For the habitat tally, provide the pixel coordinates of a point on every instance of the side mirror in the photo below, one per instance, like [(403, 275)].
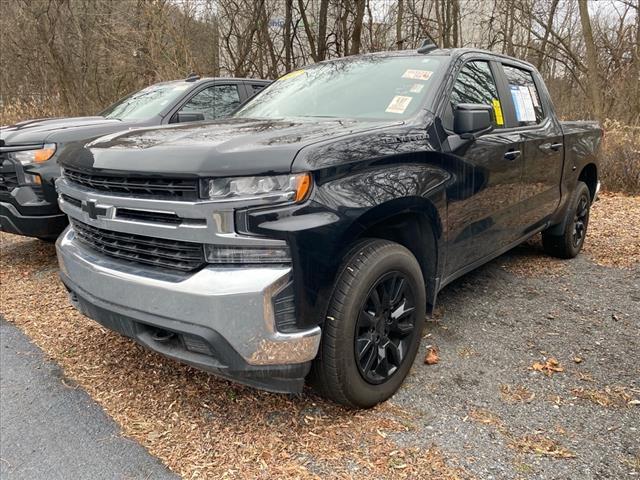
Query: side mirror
[(182, 117), (470, 120)]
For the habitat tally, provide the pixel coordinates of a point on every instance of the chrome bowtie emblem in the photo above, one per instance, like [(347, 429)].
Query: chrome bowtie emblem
[(92, 209)]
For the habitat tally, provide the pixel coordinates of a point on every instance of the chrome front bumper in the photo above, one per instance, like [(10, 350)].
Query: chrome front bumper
[(232, 303)]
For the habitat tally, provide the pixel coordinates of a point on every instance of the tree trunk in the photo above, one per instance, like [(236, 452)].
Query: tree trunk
[(322, 30), (547, 31), (288, 6), (399, 39), (357, 27), (307, 29), (592, 60)]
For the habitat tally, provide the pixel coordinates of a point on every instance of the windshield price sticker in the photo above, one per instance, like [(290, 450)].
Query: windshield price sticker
[(416, 88), (417, 74), (398, 104)]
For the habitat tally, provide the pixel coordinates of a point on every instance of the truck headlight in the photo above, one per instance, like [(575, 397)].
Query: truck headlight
[(277, 188), (39, 155)]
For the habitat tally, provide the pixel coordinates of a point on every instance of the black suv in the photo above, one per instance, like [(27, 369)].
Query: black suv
[(28, 150)]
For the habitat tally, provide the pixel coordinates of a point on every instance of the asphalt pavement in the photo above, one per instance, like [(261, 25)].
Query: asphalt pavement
[(50, 428)]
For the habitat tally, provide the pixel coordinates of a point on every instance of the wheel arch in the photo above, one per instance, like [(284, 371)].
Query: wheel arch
[(413, 223), (589, 175)]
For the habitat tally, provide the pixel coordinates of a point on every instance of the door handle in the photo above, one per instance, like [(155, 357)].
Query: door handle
[(550, 146), (512, 154)]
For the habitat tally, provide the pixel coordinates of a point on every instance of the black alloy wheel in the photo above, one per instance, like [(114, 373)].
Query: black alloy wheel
[(580, 221), (385, 328)]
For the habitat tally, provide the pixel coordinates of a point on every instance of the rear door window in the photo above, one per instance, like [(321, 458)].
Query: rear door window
[(524, 96), (475, 84)]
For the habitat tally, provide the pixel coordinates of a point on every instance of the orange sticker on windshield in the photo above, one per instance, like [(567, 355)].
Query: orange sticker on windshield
[(417, 74), (293, 74)]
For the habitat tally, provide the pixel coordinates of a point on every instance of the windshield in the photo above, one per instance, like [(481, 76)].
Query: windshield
[(372, 87), (145, 103)]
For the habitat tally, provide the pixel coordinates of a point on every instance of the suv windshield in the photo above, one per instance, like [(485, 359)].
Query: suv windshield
[(372, 87), (145, 103)]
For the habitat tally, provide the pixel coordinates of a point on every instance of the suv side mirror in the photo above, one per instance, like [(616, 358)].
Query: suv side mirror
[(470, 120), (183, 117)]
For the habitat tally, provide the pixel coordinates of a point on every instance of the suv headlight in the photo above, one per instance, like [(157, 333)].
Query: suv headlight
[(277, 188), (38, 155)]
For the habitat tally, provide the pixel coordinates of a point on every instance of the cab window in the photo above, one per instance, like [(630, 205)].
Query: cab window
[(475, 84), (213, 102), (524, 96)]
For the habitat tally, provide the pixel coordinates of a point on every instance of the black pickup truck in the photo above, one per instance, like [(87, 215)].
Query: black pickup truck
[(28, 150), (307, 236)]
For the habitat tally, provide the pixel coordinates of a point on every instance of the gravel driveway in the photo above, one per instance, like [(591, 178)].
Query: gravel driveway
[(537, 377)]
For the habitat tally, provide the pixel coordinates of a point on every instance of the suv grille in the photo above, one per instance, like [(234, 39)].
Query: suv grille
[(175, 188), (8, 181), (173, 254)]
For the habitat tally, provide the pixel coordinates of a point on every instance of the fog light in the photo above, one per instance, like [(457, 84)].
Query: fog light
[(244, 255), (32, 179)]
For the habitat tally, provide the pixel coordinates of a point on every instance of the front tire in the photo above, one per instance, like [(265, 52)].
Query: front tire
[(569, 243), (373, 326)]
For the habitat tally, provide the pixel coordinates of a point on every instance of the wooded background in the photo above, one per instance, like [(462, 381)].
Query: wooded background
[(67, 57)]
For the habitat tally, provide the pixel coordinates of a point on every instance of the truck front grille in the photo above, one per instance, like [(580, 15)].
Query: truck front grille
[(159, 252), (153, 187)]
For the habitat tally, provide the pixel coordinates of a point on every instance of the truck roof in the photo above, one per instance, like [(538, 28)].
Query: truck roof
[(450, 52)]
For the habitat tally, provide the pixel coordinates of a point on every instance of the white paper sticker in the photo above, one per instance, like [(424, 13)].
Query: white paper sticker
[(523, 103), (398, 104), (534, 95), (178, 88), (417, 74), (416, 87)]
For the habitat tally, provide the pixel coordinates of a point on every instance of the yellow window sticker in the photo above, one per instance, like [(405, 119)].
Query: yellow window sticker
[(294, 74), (398, 104), (497, 110), (416, 87), (417, 74)]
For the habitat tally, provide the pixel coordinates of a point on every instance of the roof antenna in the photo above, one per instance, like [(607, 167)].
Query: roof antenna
[(192, 77), (428, 45)]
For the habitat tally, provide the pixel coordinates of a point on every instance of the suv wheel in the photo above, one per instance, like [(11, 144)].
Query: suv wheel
[(570, 242), (373, 326)]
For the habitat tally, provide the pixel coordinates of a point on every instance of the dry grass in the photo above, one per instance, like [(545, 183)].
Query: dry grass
[(26, 110), (620, 160), (198, 425)]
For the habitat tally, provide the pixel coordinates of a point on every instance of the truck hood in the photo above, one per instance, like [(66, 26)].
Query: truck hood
[(51, 129), (228, 147)]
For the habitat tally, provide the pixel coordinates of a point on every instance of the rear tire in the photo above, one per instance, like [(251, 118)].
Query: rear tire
[(373, 326), (570, 242)]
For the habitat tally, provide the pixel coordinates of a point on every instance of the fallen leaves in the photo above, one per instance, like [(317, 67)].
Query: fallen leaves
[(549, 367), (516, 394), (541, 445), (201, 426), (614, 230), (432, 357), (610, 396)]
